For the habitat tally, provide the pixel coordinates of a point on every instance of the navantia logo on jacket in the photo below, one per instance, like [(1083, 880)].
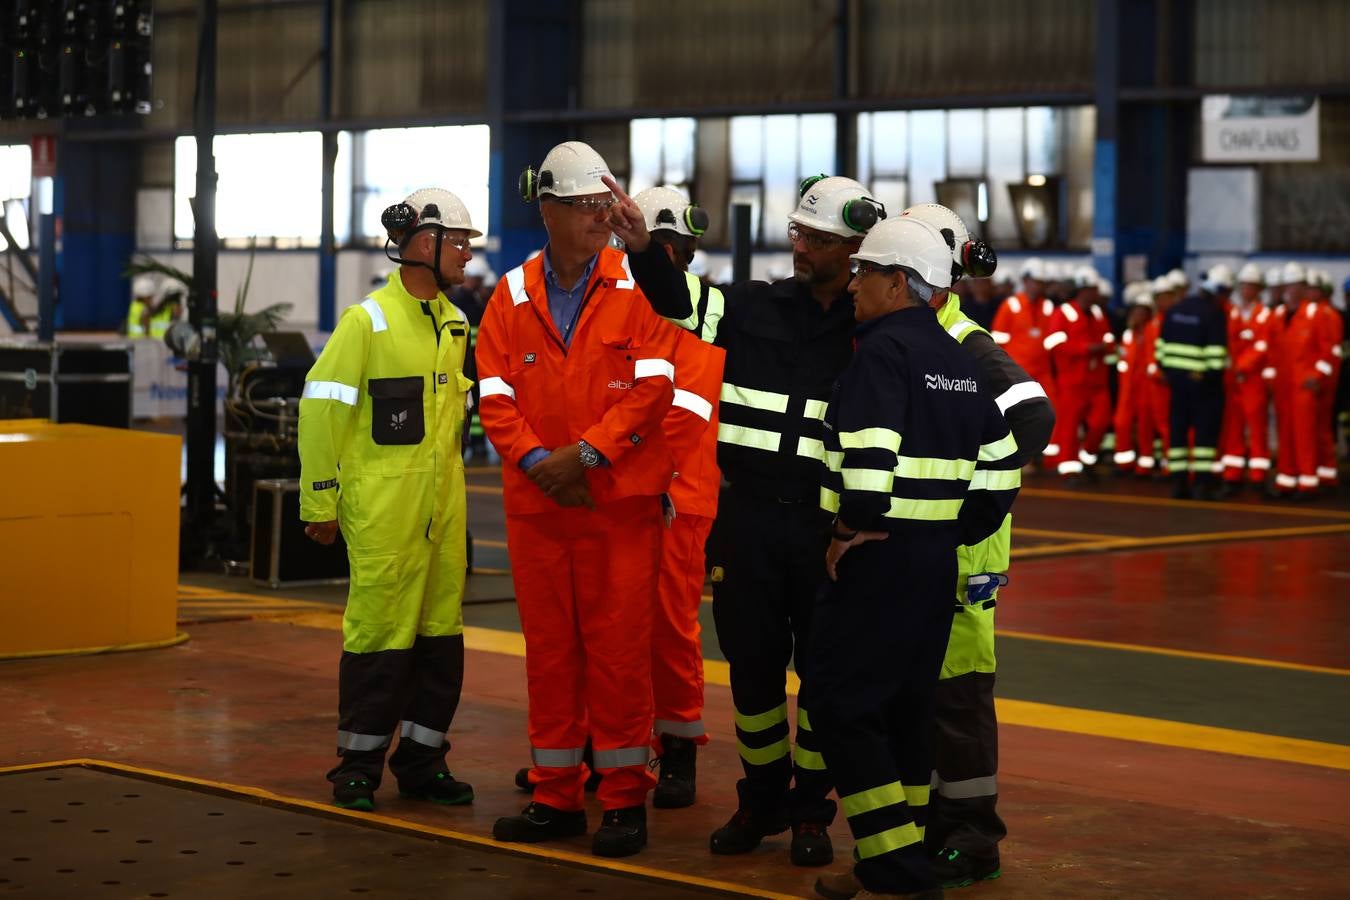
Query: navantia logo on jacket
[(943, 383)]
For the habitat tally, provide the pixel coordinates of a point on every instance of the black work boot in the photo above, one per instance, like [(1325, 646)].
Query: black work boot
[(442, 788), (956, 868), (811, 844), (675, 789), (839, 885), (354, 793), (538, 822), (744, 832), (622, 832)]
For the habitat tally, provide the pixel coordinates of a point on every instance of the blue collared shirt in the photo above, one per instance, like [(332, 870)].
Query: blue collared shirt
[(565, 305)]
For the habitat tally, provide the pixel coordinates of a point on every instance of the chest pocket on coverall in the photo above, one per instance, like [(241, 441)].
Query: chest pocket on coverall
[(396, 416)]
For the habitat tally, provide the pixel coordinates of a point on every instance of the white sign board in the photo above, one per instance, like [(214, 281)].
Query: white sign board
[(1259, 129)]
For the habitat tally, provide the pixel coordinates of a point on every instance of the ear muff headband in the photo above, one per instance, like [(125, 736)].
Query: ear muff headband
[(696, 220), (862, 213), (807, 182)]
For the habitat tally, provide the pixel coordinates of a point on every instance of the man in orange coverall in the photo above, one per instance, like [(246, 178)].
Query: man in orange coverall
[(1132, 379), (1078, 341), (1020, 327), (1246, 415), (576, 377)]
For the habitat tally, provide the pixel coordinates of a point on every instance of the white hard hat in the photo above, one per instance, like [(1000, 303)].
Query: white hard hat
[(698, 266), (969, 257), (1034, 268), (1293, 273), (1218, 278), (476, 268), (837, 205), (1086, 276), (143, 285), (1250, 274), (669, 209), (1141, 298), (571, 169), (428, 206), (1179, 277), (1319, 277), (1274, 276), (912, 243), (1162, 285), (1104, 287)]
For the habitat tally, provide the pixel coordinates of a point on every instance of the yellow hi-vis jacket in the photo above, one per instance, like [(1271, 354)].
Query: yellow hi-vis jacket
[(381, 419)]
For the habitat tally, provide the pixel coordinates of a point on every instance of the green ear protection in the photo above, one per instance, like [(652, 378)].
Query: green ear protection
[(860, 214), (531, 182)]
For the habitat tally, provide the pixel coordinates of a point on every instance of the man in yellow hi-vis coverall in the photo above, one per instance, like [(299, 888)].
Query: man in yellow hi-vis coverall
[(380, 425)]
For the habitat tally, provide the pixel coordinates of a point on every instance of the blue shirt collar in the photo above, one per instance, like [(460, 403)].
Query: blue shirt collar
[(551, 278)]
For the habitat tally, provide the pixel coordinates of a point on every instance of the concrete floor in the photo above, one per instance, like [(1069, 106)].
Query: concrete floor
[(1174, 684)]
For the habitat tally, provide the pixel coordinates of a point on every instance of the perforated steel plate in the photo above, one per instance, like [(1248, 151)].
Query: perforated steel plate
[(80, 833)]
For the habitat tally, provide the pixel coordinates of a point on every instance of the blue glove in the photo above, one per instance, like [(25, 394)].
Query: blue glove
[(980, 588)]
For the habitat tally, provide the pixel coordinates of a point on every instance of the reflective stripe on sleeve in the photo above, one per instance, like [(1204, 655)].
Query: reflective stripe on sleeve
[(934, 468), (1001, 337), (489, 387), (330, 390), (815, 409), (870, 438), (1000, 449), (650, 368), (378, 322), (694, 403), (744, 436), (867, 480), (1026, 390), (743, 396), (1055, 340), (959, 329), (515, 286), (1324, 367), (996, 479)]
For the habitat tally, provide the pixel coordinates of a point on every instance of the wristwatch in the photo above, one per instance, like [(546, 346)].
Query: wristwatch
[(590, 457)]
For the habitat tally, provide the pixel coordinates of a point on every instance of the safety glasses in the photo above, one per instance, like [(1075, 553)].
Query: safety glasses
[(590, 205), (813, 240)]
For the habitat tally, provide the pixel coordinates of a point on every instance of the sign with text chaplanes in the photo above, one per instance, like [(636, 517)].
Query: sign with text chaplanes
[(1259, 129)]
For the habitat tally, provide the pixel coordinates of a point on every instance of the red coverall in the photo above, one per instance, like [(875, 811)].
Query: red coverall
[(1082, 388), (691, 430), (1305, 355), (1156, 420), (1131, 401), (1020, 327), (1247, 395), (1327, 473), (586, 580)]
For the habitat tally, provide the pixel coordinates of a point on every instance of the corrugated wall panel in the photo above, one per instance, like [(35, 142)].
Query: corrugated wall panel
[(707, 52), (1271, 42), (938, 48)]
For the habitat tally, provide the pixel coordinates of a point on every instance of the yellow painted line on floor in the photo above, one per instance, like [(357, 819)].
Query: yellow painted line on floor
[(1071, 535), (485, 542), (482, 489), (1179, 540), (253, 603), (1168, 651), (406, 827), (1135, 500), (238, 595)]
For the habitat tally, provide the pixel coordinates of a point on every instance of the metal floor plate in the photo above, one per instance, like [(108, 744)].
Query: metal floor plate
[(80, 833)]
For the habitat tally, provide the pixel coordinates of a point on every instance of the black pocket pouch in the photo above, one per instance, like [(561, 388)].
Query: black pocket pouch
[(396, 411)]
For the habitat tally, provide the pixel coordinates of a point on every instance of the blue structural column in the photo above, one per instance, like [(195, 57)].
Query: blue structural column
[(543, 78), (1105, 245), (96, 205)]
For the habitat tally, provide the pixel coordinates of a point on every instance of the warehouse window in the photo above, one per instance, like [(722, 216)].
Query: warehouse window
[(770, 155), (969, 158), (388, 164), (268, 188), (16, 172), (661, 151)]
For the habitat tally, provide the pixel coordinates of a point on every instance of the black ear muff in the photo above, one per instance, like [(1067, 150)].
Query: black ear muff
[(696, 220), (529, 185), (807, 182), (979, 259), (862, 213), (397, 219)]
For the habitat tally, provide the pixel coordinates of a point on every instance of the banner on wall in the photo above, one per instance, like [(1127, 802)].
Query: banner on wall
[(1259, 129)]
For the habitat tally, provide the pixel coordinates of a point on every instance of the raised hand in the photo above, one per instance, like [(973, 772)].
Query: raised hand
[(626, 220)]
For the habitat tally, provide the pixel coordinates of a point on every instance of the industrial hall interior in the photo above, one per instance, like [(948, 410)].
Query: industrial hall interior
[(767, 448)]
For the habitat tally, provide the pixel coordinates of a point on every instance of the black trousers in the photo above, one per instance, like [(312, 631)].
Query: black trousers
[(413, 691), (878, 639), (962, 807), (1196, 415), (768, 561)]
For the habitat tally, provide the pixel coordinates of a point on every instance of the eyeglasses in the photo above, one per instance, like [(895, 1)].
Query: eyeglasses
[(863, 267), (587, 204), (459, 243), (812, 239)]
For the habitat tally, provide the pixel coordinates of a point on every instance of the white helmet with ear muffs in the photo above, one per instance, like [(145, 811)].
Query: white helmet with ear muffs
[(912, 243), (424, 208), (836, 205), (668, 209), (970, 257), (571, 169)]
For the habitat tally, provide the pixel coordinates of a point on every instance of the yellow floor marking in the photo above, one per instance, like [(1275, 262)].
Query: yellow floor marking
[(485, 542), (1071, 535), (1134, 500), (481, 489), (1168, 651), (403, 826), (1020, 712), (1178, 540), (485, 570)]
